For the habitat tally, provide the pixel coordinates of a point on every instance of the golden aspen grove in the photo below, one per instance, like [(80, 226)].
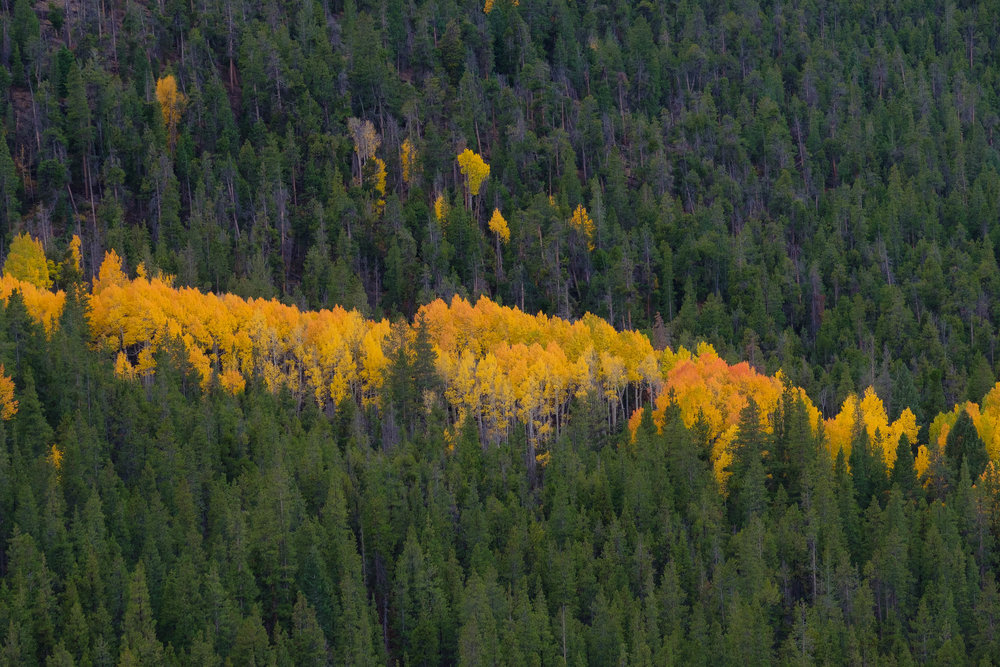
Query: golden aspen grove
[(499, 366)]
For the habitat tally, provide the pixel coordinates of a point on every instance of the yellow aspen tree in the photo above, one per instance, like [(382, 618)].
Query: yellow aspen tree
[(408, 160), (498, 225), (441, 209), (475, 171), (75, 256), (55, 457), (110, 273), (633, 423), (26, 262), (584, 224), (375, 178), (172, 105), (123, 368)]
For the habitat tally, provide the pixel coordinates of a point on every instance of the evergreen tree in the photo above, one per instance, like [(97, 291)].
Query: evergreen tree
[(747, 485), (964, 446)]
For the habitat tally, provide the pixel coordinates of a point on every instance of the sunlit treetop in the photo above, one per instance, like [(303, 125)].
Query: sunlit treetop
[(441, 208), (172, 104), (474, 169), (584, 224), (26, 262), (498, 225)]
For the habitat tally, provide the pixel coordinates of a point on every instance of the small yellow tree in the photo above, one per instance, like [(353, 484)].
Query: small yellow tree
[(584, 224), (498, 225), (500, 229), (26, 261), (172, 104), (475, 171), (408, 160), (375, 177)]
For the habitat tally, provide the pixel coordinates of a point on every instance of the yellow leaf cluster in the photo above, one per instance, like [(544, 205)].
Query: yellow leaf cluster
[(441, 209), (172, 104), (498, 225), (883, 435), (474, 169), (633, 423), (111, 273), (488, 5), (329, 355), (498, 365), (55, 457), (26, 262), (408, 160), (375, 177), (584, 224), (75, 256), (8, 406), (43, 306), (504, 366)]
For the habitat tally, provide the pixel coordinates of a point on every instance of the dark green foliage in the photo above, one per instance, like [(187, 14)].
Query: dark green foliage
[(200, 528), (867, 465), (904, 474), (747, 491), (964, 447)]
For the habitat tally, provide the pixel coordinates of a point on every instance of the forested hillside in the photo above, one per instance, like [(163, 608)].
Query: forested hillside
[(271, 389), (810, 187), (206, 478)]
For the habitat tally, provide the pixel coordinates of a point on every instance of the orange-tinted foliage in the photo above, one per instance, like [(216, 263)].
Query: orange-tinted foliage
[(8, 406), (499, 366), (704, 385)]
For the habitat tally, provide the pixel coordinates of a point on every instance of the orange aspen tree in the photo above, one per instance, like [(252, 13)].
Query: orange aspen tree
[(8, 406)]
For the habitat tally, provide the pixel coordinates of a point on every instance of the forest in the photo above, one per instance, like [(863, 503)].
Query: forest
[(272, 391)]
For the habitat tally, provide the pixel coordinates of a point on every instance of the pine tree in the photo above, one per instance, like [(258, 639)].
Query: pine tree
[(10, 203), (747, 485), (308, 643), (139, 643), (963, 445), (866, 462), (904, 474)]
